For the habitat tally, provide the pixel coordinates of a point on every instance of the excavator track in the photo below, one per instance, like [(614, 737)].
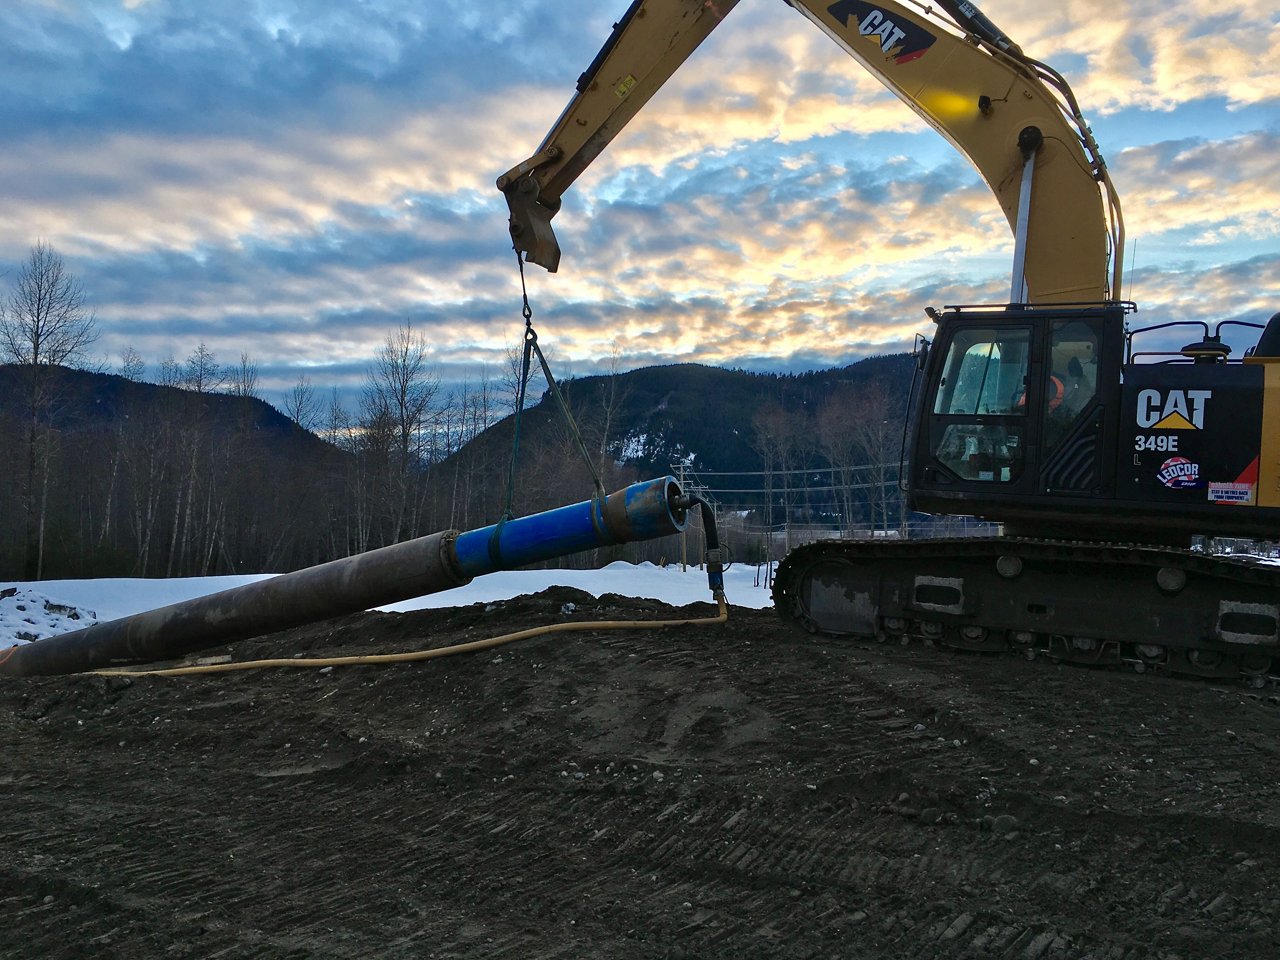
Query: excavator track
[(1146, 607)]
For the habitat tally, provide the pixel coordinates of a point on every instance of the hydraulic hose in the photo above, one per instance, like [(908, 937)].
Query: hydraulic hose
[(417, 655), (715, 580)]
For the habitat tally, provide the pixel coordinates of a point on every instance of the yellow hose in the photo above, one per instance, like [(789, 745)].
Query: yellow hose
[(471, 647)]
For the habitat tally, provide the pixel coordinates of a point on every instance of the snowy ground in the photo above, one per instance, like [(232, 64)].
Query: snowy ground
[(33, 611)]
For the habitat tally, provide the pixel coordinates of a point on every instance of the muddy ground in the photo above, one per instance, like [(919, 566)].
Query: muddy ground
[(724, 792)]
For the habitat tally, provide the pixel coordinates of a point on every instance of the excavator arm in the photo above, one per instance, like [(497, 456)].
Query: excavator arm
[(1014, 118), (648, 45)]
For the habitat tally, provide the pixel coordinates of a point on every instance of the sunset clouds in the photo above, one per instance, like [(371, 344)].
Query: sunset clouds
[(293, 179)]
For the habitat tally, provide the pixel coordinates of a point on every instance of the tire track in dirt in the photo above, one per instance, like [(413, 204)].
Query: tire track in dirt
[(723, 794)]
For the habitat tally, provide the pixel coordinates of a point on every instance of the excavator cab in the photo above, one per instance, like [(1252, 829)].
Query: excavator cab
[(1046, 419), (1019, 406)]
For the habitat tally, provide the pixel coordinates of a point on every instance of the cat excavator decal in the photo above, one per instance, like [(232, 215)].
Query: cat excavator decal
[(902, 42), (1172, 410)]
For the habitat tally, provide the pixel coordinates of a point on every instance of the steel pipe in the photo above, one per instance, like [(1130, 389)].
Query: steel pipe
[(430, 564), (643, 511)]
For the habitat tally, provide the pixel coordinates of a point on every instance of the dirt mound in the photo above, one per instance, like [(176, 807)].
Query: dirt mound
[(725, 792)]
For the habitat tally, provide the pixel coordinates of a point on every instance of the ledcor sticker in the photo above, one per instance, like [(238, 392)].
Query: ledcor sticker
[(1179, 473)]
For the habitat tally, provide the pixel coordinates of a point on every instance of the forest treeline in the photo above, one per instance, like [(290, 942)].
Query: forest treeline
[(197, 476)]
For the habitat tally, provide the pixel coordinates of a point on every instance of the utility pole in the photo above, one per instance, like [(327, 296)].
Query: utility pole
[(700, 489), (684, 533)]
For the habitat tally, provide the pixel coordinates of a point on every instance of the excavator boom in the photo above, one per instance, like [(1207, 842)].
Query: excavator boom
[(1013, 118)]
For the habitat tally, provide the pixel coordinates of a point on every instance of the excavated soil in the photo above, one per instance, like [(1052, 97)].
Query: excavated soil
[(726, 792)]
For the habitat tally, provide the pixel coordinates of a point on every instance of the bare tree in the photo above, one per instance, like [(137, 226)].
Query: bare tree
[(301, 405), (343, 493), (402, 381), (132, 366), (513, 372), (837, 433), (613, 397), (45, 320), (242, 379), (201, 373), (877, 431), (198, 462), (337, 422), (44, 323), (170, 373), (398, 397), (768, 440)]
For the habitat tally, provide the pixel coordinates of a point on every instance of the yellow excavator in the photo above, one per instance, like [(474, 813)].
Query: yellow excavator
[(1107, 457)]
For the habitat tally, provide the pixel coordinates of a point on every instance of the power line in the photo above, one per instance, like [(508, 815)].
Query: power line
[(779, 491), (789, 473)]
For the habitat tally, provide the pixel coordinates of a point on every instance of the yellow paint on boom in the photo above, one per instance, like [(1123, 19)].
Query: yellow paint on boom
[(948, 106)]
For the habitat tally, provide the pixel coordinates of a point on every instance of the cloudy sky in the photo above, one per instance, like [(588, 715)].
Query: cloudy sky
[(295, 178)]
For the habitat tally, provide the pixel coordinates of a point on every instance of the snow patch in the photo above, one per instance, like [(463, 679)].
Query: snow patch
[(58, 606), (27, 614), (633, 448), (643, 447)]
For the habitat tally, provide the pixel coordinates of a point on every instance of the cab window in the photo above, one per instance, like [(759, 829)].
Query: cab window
[(1073, 376), (983, 395), (985, 373)]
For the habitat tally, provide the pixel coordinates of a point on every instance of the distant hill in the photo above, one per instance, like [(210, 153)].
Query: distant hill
[(700, 416), (96, 402), (129, 477)]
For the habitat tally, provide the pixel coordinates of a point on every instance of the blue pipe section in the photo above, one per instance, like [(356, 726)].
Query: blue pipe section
[(428, 564), (641, 511)]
